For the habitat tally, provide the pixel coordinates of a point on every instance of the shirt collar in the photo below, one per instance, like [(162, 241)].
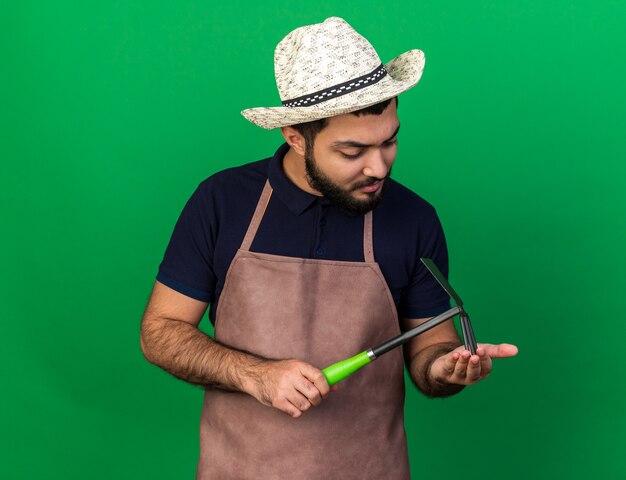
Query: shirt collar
[(296, 199)]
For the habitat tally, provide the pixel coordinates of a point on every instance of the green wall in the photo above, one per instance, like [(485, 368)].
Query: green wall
[(112, 112)]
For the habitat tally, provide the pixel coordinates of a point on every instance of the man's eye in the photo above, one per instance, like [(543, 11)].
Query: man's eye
[(391, 142), (351, 157)]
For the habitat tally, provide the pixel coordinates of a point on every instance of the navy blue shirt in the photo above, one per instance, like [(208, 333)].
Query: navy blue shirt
[(214, 221)]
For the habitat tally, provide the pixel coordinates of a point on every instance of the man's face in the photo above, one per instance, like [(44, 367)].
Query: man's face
[(352, 157)]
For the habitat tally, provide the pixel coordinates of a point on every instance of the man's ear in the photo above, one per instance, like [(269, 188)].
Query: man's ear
[(294, 139)]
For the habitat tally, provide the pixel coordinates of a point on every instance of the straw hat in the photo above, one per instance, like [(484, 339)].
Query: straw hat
[(329, 69)]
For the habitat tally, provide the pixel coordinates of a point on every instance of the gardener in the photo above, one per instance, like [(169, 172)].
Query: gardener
[(306, 258)]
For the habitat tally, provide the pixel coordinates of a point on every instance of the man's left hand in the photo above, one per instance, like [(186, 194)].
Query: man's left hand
[(460, 367)]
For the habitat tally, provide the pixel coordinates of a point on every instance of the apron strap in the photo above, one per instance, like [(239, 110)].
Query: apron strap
[(261, 206), (368, 241)]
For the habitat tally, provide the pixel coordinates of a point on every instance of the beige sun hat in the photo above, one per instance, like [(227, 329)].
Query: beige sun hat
[(328, 69)]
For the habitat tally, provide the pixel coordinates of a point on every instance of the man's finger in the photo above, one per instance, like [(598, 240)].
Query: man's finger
[(317, 378), (450, 363), (285, 406), (502, 350), (460, 369), (473, 369), (485, 362), (299, 401), (309, 390)]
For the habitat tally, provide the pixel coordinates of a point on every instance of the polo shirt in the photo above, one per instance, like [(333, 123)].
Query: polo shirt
[(214, 221)]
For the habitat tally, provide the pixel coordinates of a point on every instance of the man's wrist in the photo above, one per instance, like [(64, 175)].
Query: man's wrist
[(251, 375), (439, 387)]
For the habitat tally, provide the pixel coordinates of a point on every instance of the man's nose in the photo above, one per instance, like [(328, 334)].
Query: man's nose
[(376, 166)]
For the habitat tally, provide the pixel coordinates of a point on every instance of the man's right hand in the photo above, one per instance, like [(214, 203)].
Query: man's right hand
[(291, 386)]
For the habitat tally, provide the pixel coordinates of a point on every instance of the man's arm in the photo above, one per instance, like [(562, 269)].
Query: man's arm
[(440, 365), (170, 339)]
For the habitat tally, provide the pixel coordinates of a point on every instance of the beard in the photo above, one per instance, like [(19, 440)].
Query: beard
[(338, 196)]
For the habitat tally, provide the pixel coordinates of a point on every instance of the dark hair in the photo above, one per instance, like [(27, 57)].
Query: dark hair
[(309, 130)]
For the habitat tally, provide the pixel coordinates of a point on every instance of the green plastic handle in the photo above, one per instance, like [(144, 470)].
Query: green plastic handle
[(340, 370)]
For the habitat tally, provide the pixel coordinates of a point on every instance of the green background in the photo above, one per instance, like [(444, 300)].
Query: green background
[(112, 112)]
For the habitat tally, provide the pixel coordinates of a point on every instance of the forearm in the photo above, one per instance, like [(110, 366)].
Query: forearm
[(187, 353), (420, 371)]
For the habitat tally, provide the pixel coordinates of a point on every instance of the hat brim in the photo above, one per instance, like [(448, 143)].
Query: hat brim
[(403, 73)]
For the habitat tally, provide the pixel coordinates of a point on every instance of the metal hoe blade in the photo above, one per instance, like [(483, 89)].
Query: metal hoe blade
[(430, 265), (466, 326)]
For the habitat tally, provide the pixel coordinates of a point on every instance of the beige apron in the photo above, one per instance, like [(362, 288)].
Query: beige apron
[(318, 311)]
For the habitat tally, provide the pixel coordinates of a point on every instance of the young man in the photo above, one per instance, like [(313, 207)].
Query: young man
[(307, 258)]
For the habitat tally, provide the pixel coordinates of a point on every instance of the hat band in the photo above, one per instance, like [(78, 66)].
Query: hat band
[(338, 90)]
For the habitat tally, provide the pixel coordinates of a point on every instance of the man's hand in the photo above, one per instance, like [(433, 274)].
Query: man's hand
[(291, 386), (460, 367)]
